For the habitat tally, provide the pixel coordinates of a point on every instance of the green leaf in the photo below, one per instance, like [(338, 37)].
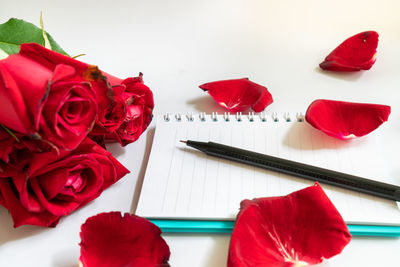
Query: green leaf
[(15, 32)]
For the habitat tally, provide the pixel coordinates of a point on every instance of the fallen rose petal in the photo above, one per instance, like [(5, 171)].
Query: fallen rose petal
[(239, 94), (346, 120), (299, 229), (113, 240), (355, 53)]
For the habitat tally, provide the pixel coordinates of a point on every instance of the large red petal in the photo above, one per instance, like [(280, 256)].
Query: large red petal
[(355, 53), (239, 94), (14, 113), (20, 215), (298, 229), (346, 120), (110, 240)]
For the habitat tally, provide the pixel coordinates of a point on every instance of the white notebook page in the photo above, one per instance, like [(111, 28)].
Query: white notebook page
[(181, 182)]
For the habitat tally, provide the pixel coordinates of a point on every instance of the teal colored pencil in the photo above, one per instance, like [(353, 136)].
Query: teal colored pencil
[(200, 226)]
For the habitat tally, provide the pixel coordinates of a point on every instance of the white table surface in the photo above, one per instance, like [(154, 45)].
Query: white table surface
[(179, 45)]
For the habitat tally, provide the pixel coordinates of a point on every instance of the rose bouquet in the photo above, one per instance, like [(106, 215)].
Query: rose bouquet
[(56, 113)]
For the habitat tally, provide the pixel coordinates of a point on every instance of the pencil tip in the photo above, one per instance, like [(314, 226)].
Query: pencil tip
[(183, 141)]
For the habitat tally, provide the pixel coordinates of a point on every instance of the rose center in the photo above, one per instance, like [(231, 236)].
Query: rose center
[(76, 180), (74, 108)]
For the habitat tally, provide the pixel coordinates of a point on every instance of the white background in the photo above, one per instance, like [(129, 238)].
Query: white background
[(179, 45)]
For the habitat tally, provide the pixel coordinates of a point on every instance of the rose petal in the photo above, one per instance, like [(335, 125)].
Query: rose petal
[(135, 86), (239, 94), (15, 152), (14, 113), (346, 120), (49, 58), (31, 79), (19, 214), (295, 230), (50, 173), (2, 201), (355, 53), (6, 145), (109, 240), (110, 117)]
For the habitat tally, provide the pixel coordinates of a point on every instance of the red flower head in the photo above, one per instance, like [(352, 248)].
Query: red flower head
[(346, 120), (49, 102), (111, 109), (356, 53), (138, 99), (301, 228), (125, 106), (239, 94), (113, 240), (55, 184)]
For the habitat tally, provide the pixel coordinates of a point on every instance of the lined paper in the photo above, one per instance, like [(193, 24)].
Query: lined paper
[(181, 182)]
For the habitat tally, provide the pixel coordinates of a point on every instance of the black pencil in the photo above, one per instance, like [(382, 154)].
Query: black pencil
[(306, 171)]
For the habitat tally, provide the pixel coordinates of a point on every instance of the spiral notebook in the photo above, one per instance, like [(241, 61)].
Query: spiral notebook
[(184, 185)]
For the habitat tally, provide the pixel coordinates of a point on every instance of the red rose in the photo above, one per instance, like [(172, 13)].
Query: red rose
[(139, 107), (125, 106), (111, 107), (110, 116), (49, 102), (55, 184)]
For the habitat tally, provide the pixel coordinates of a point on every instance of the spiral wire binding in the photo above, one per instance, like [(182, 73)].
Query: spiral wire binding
[(189, 117), (167, 117), (286, 116), (299, 117), (274, 116), (251, 116), (263, 117), (214, 116), (226, 116), (202, 116), (239, 116)]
